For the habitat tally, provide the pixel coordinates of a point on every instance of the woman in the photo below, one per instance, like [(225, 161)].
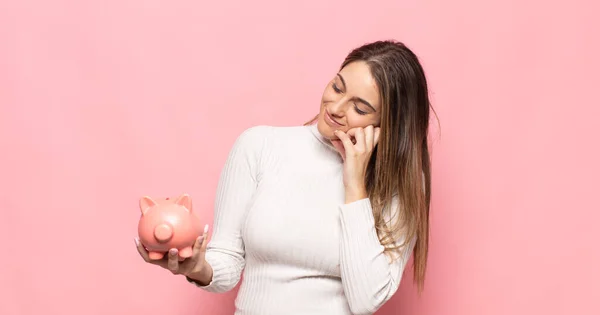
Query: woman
[(322, 218)]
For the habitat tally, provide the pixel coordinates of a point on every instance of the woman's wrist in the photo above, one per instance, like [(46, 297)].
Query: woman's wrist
[(355, 192), (201, 275)]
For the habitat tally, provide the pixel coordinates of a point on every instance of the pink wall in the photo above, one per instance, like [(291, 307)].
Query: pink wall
[(102, 102)]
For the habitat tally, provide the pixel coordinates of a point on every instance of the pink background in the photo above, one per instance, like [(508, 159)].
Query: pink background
[(105, 101)]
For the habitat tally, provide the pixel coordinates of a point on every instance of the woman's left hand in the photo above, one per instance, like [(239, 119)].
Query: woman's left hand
[(356, 147)]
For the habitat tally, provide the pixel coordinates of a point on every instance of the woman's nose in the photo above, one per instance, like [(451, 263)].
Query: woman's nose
[(338, 109)]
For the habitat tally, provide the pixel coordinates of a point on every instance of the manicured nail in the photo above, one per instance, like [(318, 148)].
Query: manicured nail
[(206, 229)]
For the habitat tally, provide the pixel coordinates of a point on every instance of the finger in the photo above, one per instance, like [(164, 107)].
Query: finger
[(146, 256), (369, 134), (197, 253), (376, 134), (141, 250), (360, 144), (348, 145), (197, 249), (173, 262), (200, 244), (204, 239), (352, 134)]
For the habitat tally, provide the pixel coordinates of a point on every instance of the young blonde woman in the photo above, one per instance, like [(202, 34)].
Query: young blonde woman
[(322, 218)]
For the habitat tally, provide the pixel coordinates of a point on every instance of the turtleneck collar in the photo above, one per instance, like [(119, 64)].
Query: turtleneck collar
[(315, 131)]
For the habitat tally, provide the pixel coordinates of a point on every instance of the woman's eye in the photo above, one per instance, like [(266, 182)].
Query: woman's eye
[(336, 89), (360, 112)]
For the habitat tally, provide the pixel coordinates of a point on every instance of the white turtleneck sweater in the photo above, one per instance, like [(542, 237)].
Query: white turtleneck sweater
[(280, 217)]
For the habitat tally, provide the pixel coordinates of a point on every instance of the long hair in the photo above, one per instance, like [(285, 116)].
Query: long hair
[(400, 166)]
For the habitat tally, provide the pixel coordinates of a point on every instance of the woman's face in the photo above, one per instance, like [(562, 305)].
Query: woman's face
[(349, 101)]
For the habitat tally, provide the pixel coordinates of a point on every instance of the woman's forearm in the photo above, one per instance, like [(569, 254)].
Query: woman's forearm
[(203, 276)]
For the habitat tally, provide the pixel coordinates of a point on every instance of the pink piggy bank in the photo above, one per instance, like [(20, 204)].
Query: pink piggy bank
[(167, 223)]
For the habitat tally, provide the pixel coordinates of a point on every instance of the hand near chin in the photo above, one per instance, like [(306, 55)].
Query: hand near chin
[(355, 146)]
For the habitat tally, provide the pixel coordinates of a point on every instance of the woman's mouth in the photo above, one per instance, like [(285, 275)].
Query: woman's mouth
[(331, 121)]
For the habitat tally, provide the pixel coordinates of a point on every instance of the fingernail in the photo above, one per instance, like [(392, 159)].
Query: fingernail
[(206, 229), (173, 251), (136, 241)]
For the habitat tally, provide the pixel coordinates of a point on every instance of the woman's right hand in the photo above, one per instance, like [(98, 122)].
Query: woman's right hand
[(194, 266)]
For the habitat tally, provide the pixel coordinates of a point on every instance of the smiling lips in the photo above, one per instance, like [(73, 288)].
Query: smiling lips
[(331, 121)]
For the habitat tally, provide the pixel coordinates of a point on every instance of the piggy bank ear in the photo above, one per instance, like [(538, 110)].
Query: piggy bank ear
[(186, 201), (146, 203)]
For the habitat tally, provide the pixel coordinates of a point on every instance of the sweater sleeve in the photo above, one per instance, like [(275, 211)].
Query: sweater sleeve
[(368, 277), (239, 177)]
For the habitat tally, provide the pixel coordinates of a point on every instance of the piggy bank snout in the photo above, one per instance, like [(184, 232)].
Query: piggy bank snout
[(163, 232)]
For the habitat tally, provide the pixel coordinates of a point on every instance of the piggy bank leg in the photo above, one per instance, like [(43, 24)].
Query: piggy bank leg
[(186, 252), (155, 255)]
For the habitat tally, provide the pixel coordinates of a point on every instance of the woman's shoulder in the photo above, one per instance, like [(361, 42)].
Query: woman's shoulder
[(268, 142)]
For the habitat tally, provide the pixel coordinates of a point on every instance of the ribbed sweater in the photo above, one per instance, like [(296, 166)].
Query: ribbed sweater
[(281, 220)]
